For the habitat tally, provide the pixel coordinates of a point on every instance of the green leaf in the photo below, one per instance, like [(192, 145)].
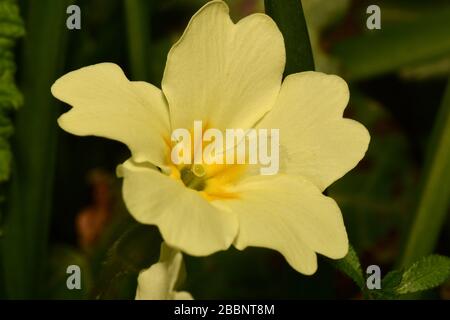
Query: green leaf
[(386, 50), (288, 14), (389, 285), (392, 280), (426, 273), (351, 266)]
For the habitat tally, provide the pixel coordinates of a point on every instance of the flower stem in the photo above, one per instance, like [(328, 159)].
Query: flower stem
[(288, 14), (138, 29), (434, 199)]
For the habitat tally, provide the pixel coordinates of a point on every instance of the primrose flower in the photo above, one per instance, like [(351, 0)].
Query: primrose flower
[(159, 281), (227, 75)]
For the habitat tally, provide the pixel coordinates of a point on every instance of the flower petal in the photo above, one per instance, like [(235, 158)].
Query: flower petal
[(106, 104), (315, 141), (290, 215), (187, 221), (182, 295), (153, 283), (158, 281), (224, 73)]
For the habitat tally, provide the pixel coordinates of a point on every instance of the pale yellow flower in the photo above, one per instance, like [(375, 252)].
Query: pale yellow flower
[(159, 281), (228, 76)]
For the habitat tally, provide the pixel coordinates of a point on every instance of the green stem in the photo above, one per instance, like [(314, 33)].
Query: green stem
[(434, 199), (29, 203), (288, 14), (138, 30)]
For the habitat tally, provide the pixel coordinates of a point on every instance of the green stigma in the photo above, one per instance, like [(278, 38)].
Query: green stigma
[(193, 177)]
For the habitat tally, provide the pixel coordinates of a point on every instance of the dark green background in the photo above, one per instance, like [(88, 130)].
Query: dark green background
[(397, 76)]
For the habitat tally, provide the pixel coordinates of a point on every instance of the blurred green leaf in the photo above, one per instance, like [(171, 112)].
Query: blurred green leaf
[(5, 160), (30, 195), (11, 24), (434, 199), (321, 15), (136, 249), (386, 50), (59, 259), (427, 273), (11, 28), (288, 14), (351, 266)]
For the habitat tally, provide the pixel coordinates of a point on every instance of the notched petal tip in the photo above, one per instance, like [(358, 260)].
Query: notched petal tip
[(205, 10), (106, 104), (62, 121), (211, 4), (237, 67), (362, 135), (365, 139), (307, 267), (58, 88), (307, 270), (325, 81), (54, 88), (120, 171)]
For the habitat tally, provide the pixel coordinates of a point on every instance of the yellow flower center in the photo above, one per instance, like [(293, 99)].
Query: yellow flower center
[(212, 181)]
